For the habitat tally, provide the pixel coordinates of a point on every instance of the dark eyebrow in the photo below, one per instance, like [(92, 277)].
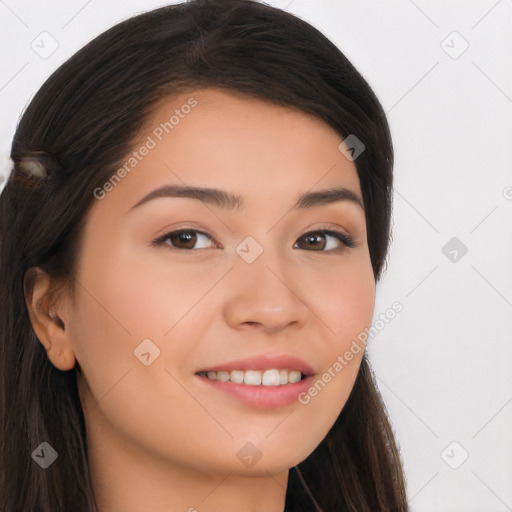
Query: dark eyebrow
[(230, 201)]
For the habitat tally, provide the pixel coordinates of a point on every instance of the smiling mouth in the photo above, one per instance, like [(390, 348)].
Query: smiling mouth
[(270, 377)]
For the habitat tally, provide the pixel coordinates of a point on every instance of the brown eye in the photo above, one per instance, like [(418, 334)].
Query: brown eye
[(316, 242), (185, 239), (319, 240)]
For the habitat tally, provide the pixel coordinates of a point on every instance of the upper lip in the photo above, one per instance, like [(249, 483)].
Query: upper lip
[(264, 362)]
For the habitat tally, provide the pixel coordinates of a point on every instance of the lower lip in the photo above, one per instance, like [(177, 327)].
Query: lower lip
[(268, 397)]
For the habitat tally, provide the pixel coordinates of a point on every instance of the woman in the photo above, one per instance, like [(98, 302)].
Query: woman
[(191, 234)]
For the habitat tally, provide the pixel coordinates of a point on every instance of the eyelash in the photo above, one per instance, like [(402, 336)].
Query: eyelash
[(342, 237)]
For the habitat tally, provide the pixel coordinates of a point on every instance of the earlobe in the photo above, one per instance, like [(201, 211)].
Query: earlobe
[(45, 313), (62, 358)]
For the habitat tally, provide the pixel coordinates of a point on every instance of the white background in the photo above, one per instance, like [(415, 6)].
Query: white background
[(443, 364)]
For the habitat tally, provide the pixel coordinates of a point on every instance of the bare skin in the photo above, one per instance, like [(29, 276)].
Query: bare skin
[(161, 438)]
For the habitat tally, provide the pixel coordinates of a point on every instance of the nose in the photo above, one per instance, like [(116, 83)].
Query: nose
[(263, 295)]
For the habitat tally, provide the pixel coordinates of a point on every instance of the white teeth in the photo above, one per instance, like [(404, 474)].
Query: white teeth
[(294, 376), (252, 377), (237, 376), (223, 376), (271, 377)]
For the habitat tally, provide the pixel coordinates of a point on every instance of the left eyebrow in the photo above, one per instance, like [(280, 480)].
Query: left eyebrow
[(228, 200)]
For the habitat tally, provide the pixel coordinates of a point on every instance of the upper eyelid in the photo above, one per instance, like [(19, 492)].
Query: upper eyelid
[(325, 226)]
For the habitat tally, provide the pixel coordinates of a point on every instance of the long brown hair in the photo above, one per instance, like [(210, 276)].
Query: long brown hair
[(79, 127)]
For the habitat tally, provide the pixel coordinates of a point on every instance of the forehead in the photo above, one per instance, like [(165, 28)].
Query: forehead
[(260, 151), (252, 136)]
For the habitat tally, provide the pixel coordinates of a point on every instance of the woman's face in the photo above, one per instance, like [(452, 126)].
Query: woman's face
[(252, 280)]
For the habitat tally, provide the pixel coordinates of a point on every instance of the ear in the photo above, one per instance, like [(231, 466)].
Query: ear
[(47, 310)]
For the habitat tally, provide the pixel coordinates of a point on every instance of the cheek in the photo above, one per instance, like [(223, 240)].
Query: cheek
[(343, 298), (101, 338), (344, 301), (122, 300)]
